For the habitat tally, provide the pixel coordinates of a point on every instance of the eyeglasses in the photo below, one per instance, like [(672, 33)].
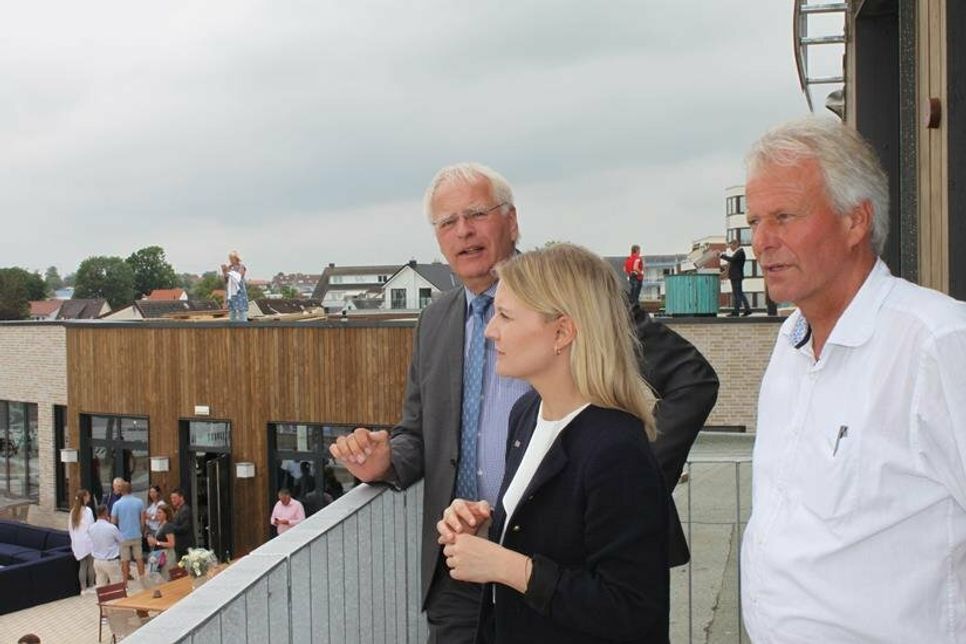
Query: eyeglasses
[(473, 217)]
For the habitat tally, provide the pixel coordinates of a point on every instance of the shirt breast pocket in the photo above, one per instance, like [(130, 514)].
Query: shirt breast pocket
[(830, 472)]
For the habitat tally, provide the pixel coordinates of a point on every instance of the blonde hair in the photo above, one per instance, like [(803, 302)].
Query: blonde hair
[(77, 507), (564, 279), (234, 253)]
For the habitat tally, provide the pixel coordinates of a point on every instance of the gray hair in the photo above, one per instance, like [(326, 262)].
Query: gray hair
[(469, 172), (849, 166)]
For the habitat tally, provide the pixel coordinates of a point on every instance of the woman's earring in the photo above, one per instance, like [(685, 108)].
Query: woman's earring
[(556, 350)]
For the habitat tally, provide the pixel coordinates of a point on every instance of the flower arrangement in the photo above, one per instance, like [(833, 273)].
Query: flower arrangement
[(198, 561)]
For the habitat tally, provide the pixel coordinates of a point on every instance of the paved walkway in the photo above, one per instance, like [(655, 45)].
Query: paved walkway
[(66, 621)]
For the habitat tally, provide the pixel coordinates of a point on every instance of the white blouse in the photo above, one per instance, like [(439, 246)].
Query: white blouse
[(80, 542), (544, 434)]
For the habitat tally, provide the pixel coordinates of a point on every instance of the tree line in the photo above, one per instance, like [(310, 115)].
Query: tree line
[(117, 280)]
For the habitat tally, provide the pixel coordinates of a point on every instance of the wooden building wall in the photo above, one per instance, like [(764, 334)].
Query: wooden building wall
[(251, 375), (933, 147)]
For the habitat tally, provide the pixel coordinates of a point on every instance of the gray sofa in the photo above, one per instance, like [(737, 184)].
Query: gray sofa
[(37, 566)]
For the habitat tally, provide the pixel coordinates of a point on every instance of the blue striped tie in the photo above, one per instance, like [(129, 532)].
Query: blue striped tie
[(466, 476)]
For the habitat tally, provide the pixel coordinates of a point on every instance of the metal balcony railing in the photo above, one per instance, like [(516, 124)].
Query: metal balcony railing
[(350, 573)]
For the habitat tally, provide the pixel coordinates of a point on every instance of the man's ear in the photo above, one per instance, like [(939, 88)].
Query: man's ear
[(860, 223)]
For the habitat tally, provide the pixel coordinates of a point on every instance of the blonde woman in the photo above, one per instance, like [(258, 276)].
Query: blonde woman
[(80, 520), (577, 548), (234, 274)]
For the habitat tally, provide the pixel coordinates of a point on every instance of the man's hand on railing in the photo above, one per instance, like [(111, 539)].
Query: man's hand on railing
[(364, 453), (462, 517)]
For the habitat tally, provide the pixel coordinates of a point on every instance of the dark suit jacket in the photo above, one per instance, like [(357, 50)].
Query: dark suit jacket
[(736, 264), (184, 534), (425, 443), (687, 389), (594, 520)]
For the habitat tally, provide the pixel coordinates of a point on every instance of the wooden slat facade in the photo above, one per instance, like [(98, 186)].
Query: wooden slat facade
[(250, 375)]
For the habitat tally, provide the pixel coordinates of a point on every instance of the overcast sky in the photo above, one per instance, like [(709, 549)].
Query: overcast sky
[(304, 132)]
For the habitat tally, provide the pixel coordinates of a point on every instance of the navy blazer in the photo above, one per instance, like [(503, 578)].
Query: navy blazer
[(594, 519)]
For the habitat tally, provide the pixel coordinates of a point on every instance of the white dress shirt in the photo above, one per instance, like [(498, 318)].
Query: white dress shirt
[(105, 540), (858, 528)]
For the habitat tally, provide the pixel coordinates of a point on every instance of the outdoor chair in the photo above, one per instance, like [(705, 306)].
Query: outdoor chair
[(177, 572), (123, 622), (105, 594)]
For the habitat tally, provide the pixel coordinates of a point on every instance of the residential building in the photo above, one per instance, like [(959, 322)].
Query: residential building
[(339, 285), (81, 309), (414, 285), (45, 309), (304, 283), (160, 294)]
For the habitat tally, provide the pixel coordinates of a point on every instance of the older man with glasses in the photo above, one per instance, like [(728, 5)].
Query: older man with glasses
[(456, 408)]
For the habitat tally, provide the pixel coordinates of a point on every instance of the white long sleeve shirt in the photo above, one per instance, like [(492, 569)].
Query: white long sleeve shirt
[(858, 526)]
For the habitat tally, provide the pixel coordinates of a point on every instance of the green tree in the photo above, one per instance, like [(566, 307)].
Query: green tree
[(36, 288), (290, 292), (109, 277), (254, 292), (13, 294), (69, 279), (151, 270), (52, 279), (210, 281)]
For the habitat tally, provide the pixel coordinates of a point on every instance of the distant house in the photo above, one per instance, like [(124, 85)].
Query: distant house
[(159, 309), (83, 309), (414, 286), (159, 294), (339, 286), (45, 309), (304, 283)]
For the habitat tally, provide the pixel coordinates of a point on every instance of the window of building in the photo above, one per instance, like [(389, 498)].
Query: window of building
[(739, 205), (425, 297), (19, 455), (114, 447), (61, 473), (298, 457), (398, 298)]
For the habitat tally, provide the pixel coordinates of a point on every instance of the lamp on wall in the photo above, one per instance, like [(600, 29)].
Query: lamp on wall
[(68, 455), (245, 470), (159, 463)]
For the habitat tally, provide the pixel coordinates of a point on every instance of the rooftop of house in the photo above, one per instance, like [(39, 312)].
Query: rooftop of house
[(165, 294), (82, 309), (44, 307)]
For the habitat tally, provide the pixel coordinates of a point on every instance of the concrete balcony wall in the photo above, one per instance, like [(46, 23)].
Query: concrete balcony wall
[(347, 574)]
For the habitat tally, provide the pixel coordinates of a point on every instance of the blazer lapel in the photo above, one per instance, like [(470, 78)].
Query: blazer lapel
[(450, 334)]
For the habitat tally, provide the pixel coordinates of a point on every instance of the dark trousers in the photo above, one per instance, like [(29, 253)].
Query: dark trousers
[(738, 296), (634, 285), (452, 608)]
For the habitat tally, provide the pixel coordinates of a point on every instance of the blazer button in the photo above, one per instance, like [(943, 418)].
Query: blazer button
[(516, 528)]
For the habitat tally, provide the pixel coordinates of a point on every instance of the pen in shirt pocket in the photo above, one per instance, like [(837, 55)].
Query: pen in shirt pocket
[(843, 433)]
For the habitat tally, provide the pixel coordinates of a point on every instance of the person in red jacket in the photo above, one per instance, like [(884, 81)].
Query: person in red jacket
[(634, 268)]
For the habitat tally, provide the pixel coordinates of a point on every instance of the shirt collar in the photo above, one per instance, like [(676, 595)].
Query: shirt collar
[(857, 323), (470, 295)]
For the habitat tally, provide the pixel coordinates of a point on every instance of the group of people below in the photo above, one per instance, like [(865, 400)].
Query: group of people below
[(105, 539), (548, 466)]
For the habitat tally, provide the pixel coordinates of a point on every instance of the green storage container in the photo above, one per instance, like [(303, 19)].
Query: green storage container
[(692, 293)]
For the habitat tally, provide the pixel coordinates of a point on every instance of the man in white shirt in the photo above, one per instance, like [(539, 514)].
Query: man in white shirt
[(105, 548), (858, 528)]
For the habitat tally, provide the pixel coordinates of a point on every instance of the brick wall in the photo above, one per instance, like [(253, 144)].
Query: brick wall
[(33, 369), (739, 351)]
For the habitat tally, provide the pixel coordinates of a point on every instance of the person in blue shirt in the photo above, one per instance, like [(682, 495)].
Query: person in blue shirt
[(128, 515)]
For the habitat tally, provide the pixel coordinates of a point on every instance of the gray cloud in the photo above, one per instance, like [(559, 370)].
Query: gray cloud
[(304, 132)]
